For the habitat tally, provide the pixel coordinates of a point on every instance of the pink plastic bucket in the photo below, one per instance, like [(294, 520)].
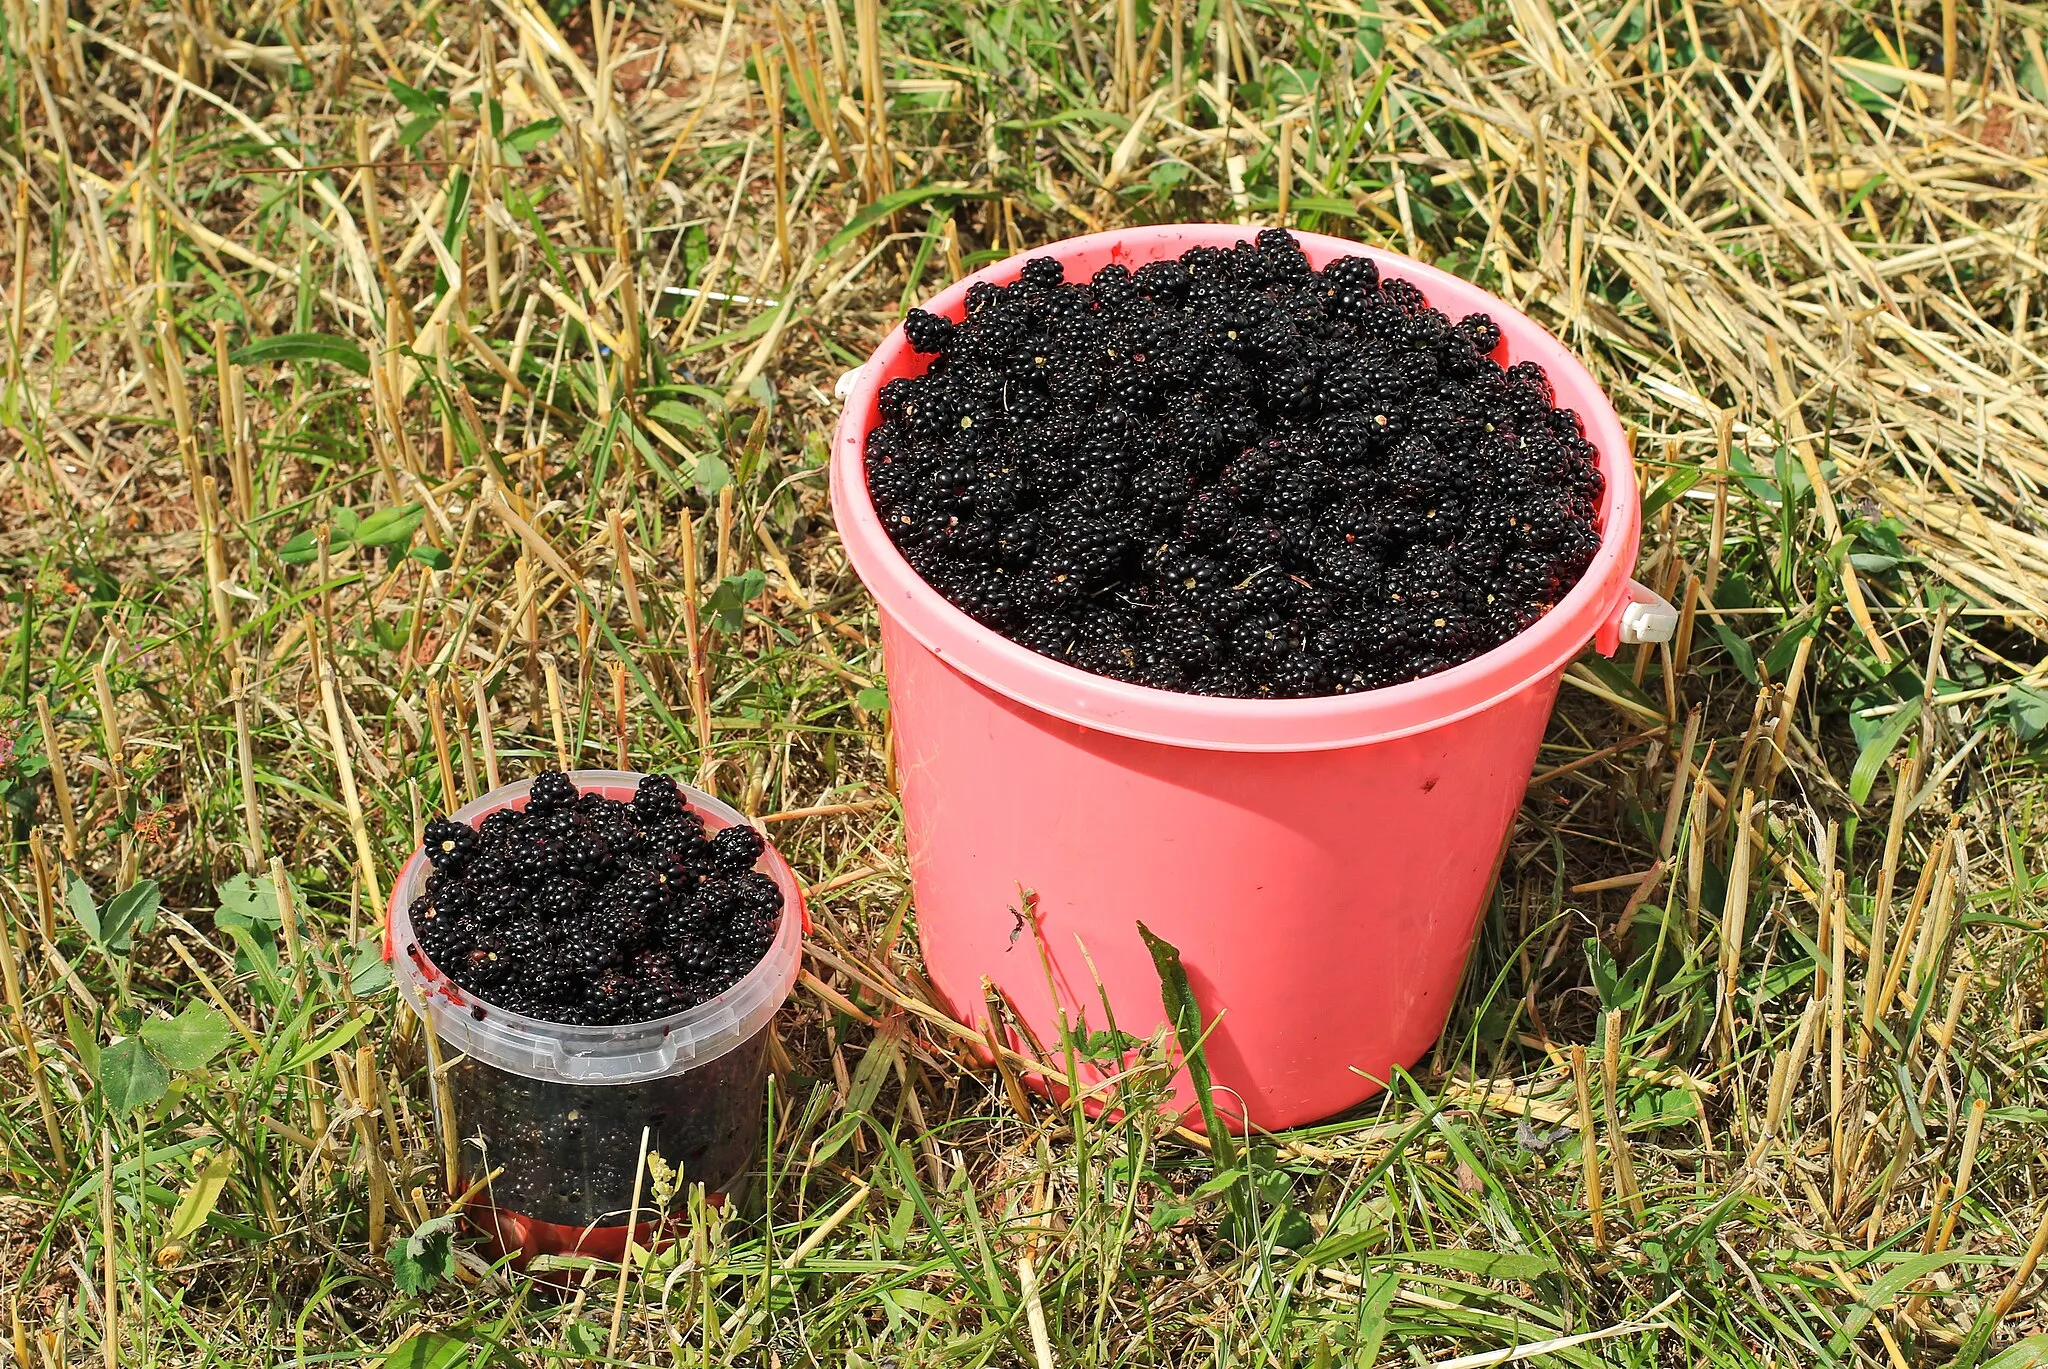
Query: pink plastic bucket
[(1320, 863)]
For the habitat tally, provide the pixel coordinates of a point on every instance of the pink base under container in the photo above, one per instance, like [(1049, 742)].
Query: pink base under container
[(1320, 863)]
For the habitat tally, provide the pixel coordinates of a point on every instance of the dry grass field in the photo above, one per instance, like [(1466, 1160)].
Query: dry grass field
[(406, 392)]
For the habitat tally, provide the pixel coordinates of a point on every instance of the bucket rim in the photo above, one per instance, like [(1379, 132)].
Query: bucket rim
[(1588, 612)]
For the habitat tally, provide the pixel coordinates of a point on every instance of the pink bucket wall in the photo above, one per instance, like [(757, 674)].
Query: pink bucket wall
[(1324, 901)]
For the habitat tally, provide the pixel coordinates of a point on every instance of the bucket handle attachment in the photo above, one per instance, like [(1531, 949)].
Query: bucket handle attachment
[(843, 387), (1646, 616)]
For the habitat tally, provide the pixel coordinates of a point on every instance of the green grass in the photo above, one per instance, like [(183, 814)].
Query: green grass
[(224, 1116)]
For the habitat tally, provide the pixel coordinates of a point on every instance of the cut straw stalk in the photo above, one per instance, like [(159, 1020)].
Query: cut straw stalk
[(1617, 1141), (245, 764), (1589, 1152), (487, 737), (1881, 902), (32, 1060), (345, 771), (60, 776)]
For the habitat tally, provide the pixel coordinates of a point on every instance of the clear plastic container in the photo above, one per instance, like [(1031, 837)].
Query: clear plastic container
[(559, 1110)]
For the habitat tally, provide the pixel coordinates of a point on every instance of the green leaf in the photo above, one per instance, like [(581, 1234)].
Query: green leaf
[(325, 1046), (303, 347), (2026, 708), (1487, 1264), (1185, 1016), (2031, 1353), (201, 1195), (583, 1340), (874, 699), (390, 527), (728, 603), (252, 897), (432, 557), (302, 550), (369, 973), (190, 1040), (415, 100), (84, 1043), (895, 202), (416, 129), (128, 912), (529, 136), (674, 411), (1670, 488), (1879, 749), (1291, 1230), (712, 475), (425, 1258), (130, 1077), (78, 898), (427, 1350), (1745, 659)]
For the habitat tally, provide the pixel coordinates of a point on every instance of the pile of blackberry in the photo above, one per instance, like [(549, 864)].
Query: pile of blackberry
[(1232, 474), (594, 911)]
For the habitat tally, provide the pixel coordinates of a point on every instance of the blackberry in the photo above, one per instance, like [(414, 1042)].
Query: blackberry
[(498, 827), (737, 847), (561, 899), (552, 791), (450, 845), (656, 799), (927, 332)]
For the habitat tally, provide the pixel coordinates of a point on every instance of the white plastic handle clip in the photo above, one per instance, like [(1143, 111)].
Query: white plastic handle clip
[(1647, 617), (844, 386)]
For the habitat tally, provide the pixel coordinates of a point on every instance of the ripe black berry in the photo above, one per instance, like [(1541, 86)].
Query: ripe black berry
[(451, 844), (552, 791), (737, 847)]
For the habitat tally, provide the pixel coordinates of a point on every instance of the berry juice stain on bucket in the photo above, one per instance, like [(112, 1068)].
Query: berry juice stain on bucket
[(601, 958), (1259, 613)]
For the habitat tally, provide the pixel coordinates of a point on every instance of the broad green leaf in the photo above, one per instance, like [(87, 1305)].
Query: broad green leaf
[(729, 601), (78, 898), (130, 1077), (679, 414), (369, 973), (253, 897), (530, 136), (2027, 709), (427, 1350), (417, 101), (874, 699), (190, 1040), (1879, 749), (390, 527), (425, 1258), (128, 912), (303, 347), (712, 475), (201, 1195), (302, 550), (432, 557)]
